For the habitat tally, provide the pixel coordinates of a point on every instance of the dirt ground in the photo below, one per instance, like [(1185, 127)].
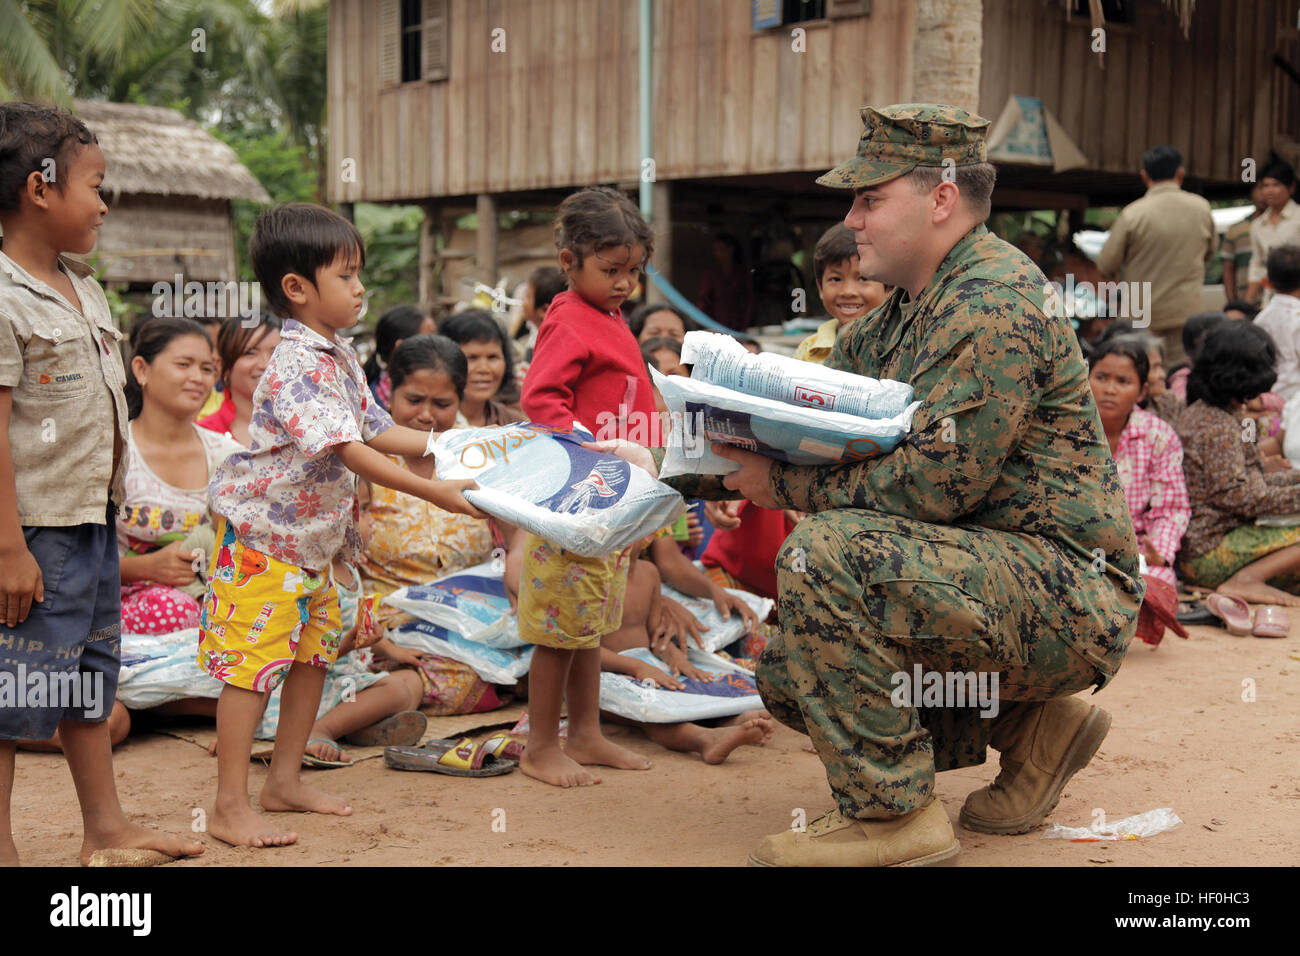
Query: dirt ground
[(1183, 737)]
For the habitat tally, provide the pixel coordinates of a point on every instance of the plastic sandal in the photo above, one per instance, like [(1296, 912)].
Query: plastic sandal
[(1271, 622), (1232, 611), (456, 758)]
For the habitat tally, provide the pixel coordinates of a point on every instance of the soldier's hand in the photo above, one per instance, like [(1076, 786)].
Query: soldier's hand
[(753, 480)]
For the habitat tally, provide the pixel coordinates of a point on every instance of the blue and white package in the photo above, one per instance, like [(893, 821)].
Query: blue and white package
[(160, 668), (702, 413), (731, 694), (545, 482), (718, 359), (471, 603), (496, 665), (720, 632)]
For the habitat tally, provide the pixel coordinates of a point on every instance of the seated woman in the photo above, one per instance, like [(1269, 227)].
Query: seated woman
[(165, 515), (415, 542), (1147, 452), (658, 320), (491, 395), (1228, 483), (243, 350), (396, 324)]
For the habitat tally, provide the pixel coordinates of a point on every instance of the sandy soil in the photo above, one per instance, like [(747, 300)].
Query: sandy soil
[(1182, 737)]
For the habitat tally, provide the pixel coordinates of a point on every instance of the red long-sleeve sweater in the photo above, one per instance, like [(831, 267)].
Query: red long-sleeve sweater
[(587, 367)]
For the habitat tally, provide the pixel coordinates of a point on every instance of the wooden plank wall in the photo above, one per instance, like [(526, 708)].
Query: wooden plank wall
[(142, 236), (1212, 95), (559, 106)]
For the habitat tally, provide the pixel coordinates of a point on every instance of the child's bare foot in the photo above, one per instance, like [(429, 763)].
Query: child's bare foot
[(600, 750), (8, 851), (300, 798), (323, 749), (131, 836), (551, 765), (243, 826), (721, 741)]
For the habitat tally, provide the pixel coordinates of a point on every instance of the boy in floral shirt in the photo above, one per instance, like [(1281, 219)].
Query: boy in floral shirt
[(287, 507)]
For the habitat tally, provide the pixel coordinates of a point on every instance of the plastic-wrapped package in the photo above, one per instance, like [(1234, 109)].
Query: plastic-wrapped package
[(471, 603), (719, 359), (545, 482), (720, 632), (732, 693), (160, 668), (496, 665), (701, 413)]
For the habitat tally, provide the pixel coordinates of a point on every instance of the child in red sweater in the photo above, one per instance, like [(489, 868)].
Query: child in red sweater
[(587, 368)]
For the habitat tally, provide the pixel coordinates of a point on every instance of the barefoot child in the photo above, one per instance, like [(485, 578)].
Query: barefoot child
[(61, 381), (287, 507), (586, 363), (715, 742)]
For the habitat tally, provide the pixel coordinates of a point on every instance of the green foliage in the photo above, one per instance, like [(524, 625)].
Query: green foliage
[(282, 168), (392, 237)]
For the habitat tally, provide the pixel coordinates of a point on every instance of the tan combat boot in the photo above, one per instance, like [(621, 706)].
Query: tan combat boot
[(1043, 745), (918, 838)]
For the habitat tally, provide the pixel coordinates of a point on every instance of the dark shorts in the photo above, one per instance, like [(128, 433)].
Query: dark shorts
[(62, 662)]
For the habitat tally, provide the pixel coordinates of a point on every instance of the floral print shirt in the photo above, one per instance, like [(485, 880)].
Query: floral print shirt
[(289, 496)]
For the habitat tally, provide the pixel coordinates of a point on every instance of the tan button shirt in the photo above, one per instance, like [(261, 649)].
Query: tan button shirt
[(1266, 234), (67, 379), (1164, 238)]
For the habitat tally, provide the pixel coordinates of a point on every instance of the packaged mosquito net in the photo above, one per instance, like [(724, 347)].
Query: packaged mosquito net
[(701, 413), (547, 483), (731, 691), (719, 359), (472, 603)]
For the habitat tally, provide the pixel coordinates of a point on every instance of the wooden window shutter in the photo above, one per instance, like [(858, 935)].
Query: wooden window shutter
[(435, 39), (767, 13), (847, 8), (390, 48)]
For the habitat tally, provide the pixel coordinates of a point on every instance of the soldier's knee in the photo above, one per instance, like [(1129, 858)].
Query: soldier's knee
[(814, 539)]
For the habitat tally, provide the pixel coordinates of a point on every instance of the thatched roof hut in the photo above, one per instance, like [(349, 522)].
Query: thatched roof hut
[(169, 188)]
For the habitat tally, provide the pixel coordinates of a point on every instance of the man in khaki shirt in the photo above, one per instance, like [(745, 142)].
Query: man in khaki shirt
[(1277, 225), (1165, 238)]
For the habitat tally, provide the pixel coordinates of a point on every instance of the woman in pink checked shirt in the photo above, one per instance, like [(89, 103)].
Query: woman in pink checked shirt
[(1148, 454)]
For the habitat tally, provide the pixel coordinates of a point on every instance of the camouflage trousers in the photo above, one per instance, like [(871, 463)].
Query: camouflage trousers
[(865, 596)]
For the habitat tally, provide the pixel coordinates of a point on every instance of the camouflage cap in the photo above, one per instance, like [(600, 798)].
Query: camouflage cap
[(897, 139)]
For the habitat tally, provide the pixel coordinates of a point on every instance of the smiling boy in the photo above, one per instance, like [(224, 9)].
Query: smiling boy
[(845, 292), (61, 395)]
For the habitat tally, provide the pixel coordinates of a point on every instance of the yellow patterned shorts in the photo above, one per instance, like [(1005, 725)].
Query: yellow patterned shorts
[(261, 615), (568, 601)]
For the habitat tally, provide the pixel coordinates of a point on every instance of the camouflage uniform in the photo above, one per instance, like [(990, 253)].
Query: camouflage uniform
[(996, 538)]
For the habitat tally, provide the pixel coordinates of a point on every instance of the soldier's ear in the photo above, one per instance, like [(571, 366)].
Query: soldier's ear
[(944, 200)]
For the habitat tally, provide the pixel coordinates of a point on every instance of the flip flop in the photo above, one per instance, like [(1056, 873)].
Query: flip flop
[(1271, 622), (456, 758), (311, 760), (401, 729), (1194, 613), (1232, 611)]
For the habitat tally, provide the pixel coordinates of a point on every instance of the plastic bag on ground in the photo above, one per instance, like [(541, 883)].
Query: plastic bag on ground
[(496, 665), (734, 692), (545, 482), (160, 668), (1135, 827), (471, 603)]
